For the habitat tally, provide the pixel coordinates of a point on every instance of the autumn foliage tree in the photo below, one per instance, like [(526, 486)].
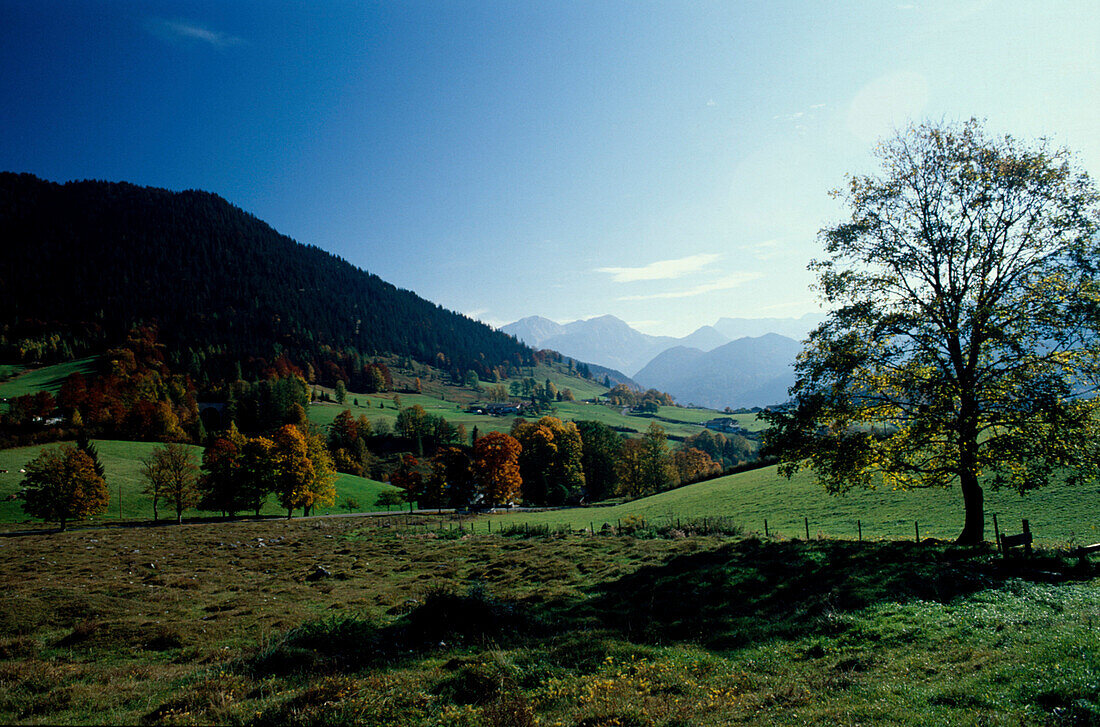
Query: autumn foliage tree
[(496, 468), (321, 486), (963, 341), (220, 482), (171, 474), (294, 471), (692, 465), (409, 478), (550, 461), (62, 485)]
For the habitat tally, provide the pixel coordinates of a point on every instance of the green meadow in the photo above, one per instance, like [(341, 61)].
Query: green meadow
[(122, 462), (382, 621), (1059, 513), (47, 378)]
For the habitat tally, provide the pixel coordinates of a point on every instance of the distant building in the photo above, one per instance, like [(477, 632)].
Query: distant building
[(726, 425), (496, 409)]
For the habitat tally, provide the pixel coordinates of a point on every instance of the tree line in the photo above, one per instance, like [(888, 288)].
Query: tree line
[(541, 462)]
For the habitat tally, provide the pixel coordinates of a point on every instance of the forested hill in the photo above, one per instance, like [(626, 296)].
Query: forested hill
[(91, 259)]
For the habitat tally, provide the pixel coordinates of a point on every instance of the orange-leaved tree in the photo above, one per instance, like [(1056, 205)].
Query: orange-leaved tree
[(496, 468)]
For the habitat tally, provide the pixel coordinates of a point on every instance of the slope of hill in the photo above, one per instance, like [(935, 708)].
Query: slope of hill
[(743, 373), (89, 260), (1059, 513)]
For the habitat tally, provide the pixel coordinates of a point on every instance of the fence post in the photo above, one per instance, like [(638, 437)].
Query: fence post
[(916, 530), (765, 527), (1027, 544), (807, 520), (997, 534), (859, 528)]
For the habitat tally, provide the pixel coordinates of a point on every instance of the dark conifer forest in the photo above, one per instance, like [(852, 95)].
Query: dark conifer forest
[(85, 262)]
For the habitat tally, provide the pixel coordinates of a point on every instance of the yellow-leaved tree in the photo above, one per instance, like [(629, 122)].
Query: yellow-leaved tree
[(962, 344)]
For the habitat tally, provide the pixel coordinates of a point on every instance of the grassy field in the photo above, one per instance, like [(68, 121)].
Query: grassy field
[(122, 465), (235, 623), (47, 378), (1058, 514), (9, 370), (676, 422)]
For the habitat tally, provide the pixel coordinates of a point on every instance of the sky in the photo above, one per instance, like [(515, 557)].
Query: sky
[(667, 163)]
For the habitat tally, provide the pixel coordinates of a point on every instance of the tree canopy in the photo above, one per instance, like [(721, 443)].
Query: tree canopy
[(962, 344), (61, 485)]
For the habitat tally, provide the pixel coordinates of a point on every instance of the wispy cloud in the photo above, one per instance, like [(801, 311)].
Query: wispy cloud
[(799, 119), (662, 269), (184, 30), (766, 250), (724, 283)]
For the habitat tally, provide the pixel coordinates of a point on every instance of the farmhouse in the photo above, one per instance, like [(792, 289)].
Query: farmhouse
[(727, 425), (496, 409)]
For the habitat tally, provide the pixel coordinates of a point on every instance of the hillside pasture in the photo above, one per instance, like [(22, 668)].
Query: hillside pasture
[(122, 462), (1059, 513), (323, 413), (46, 378)]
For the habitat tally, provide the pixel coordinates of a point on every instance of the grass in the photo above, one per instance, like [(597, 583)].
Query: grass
[(9, 370), (122, 463), (231, 624), (676, 422), (46, 378), (1058, 513)]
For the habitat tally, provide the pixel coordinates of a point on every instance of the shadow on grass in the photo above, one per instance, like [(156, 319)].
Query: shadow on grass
[(753, 591), (737, 595), (444, 620)]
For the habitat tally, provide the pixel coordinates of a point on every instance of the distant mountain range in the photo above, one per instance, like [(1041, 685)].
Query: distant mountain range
[(743, 373), (736, 362)]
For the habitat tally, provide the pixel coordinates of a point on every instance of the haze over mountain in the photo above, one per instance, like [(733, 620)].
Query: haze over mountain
[(743, 373), (737, 362), (609, 341), (796, 328), (606, 340)]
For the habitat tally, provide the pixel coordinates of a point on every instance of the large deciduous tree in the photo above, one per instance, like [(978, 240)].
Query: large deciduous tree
[(550, 462), (171, 474), (61, 485), (962, 344), (294, 471), (496, 468)]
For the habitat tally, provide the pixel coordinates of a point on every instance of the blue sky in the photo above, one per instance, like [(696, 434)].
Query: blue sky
[(668, 163)]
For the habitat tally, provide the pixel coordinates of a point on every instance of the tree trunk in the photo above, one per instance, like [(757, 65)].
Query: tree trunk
[(974, 506)]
